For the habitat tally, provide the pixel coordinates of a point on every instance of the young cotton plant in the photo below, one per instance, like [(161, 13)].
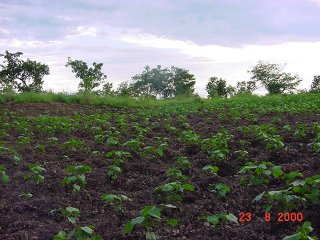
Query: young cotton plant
[(259, 173), (75, 145), (172, 191), (13, 153), (284, 200), (220, 189), (76, 176), (211, 169), (36, 172), (217, 146), (189, 137), (176, 174), (218, 219), (183, 162), (113, 172), (115, 200), (4, 178), (79, 233), (71, 214), (302, 233), (149, 216)]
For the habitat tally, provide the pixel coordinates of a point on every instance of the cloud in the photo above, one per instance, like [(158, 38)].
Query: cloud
[(84, 31), (210, 38), (221, 54)]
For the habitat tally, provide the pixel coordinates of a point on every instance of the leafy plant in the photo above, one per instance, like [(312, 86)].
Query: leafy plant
[(285, 199), (183, 162), (149, 216), (220, 189), (176, 174), (211, 169), (80, 233), (302, 233), (259, 173), (115, 200), (26, 196), (189, 137), (36, 173), (4, 178), (74, 145), (76, 176), (113, 172), (172, 191), (71, 214), (217, 146), (218, 219)]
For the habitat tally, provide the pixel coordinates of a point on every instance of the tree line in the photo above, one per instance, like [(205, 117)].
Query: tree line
[(27, 76)]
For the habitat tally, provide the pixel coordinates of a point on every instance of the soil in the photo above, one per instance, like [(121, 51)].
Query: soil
[(38, 218)]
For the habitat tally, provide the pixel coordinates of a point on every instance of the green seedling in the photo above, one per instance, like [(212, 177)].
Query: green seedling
[(80, 233), (40, 148), (219, 219), (113, 172), (242, 154), (183, 162), (176, 174), (189, 137), (76, 176), (149, 216), (74, 145), (115, 200), (23, 140), (112, 141), (220, 189), (284, 199), (133, 144), (15, 156), (36, 172), (172, 191), (71, 214), (302, 233), (53, 140), (211, 169), (259, 173), (26, 196), (217, 146), (4, 178)]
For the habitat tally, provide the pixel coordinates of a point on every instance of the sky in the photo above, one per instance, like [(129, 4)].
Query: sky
[(223, 38)]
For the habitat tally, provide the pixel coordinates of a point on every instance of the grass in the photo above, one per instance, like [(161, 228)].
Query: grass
[(306, 102)]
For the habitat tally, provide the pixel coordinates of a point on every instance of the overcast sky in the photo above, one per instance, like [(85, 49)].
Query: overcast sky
[(221, 38)]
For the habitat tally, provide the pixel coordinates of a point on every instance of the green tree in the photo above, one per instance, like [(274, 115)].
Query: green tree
[(217, 87), (272, 77), (123, 89), (20, 75), (315, 85), (246, 87), (91, 77), (181, 83), (163, 82)]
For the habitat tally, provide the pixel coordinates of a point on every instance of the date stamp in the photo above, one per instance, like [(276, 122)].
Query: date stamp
[(245, 217)]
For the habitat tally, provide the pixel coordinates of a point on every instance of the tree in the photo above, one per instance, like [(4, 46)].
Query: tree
[(91, 78), (23, 76), (272, 77), (163, 82), (123, 89), (315, 86), (182, 83), (217, 87), (246, 87)]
